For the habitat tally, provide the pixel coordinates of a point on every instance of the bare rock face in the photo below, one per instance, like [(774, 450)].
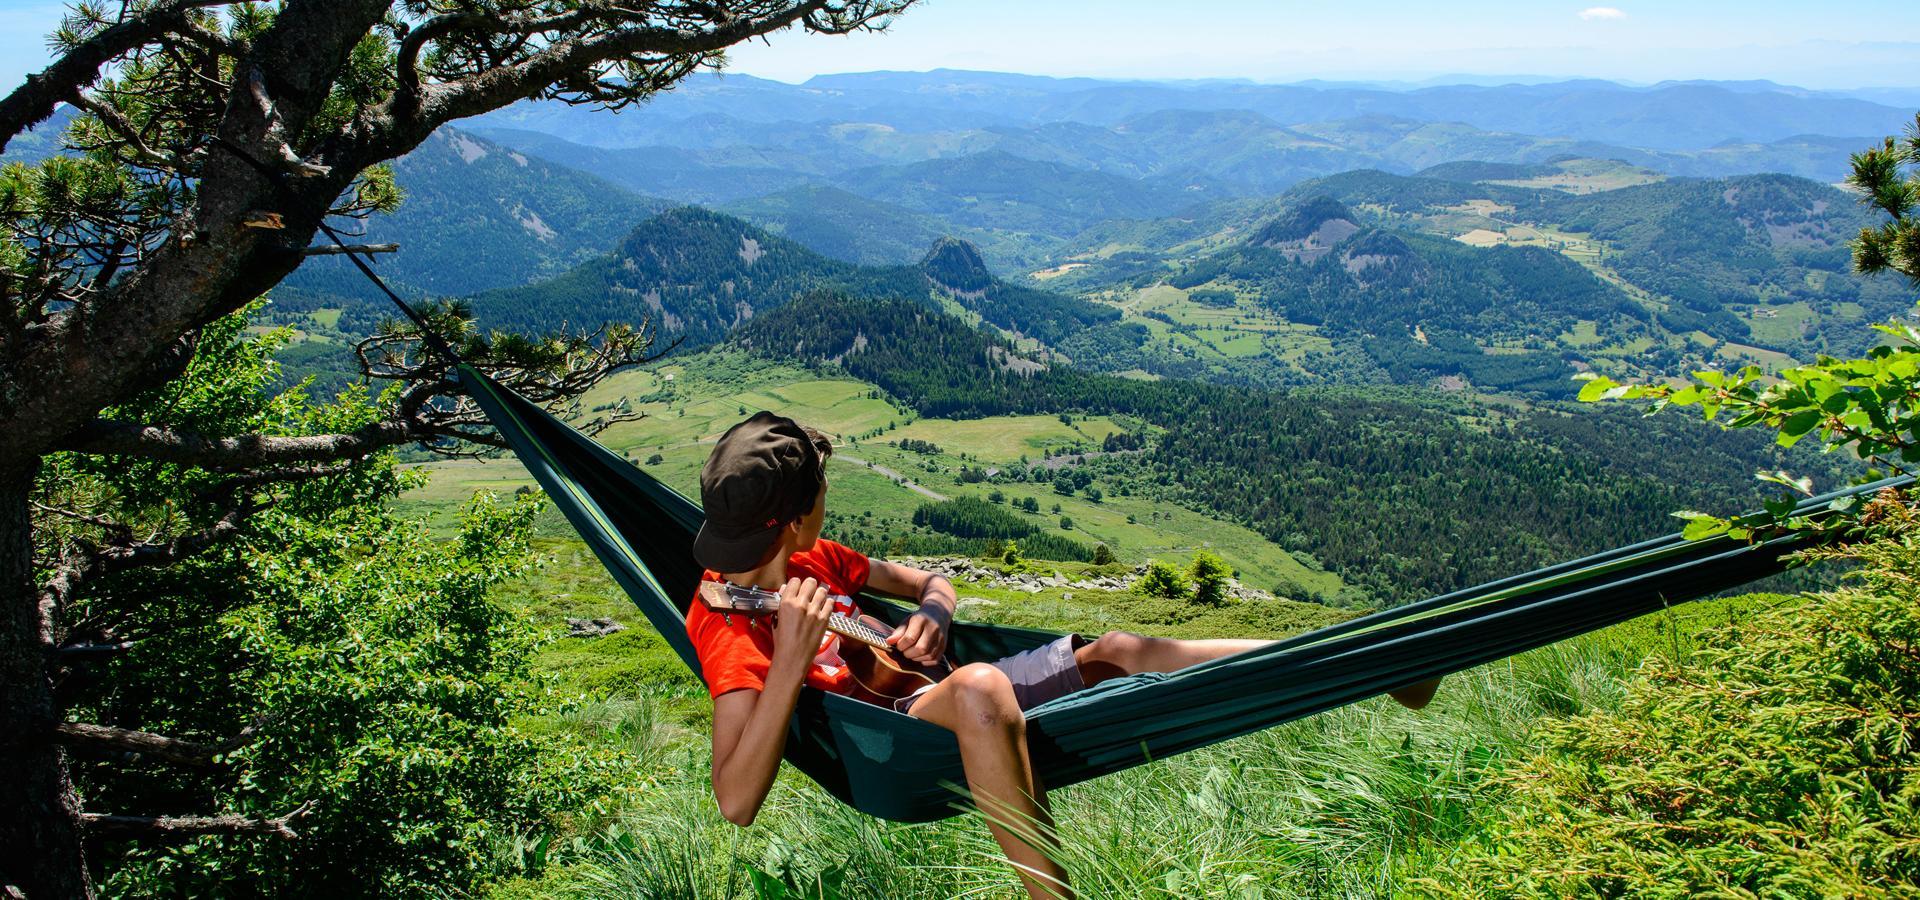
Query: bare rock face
[(593, 628), (1308, 231)]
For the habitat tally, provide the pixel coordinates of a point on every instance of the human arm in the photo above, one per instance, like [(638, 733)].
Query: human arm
[(749, 726), (923, 636)]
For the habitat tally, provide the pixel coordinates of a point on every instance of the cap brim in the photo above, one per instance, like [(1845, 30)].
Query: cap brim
[(718, 551)]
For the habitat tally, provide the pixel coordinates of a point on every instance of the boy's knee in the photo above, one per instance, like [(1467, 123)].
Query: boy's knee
[(986, 694), (1118, 647)]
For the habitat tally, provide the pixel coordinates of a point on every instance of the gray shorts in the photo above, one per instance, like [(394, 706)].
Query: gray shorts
[(1038, 675)]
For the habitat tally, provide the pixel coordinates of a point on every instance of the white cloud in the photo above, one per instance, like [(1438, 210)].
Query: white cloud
[(1601, 12)]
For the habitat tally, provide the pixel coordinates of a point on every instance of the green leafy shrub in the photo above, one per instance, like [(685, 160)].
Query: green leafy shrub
[(1775, 759), (1162, 580), (383, 682), (1210, 575)]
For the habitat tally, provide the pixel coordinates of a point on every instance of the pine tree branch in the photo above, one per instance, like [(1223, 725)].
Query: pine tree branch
[(126, 827), (338, 249), (120, 557), (125, 131), (105, 436), (602, 34), (100, 522), (78, 67), (102, 737)]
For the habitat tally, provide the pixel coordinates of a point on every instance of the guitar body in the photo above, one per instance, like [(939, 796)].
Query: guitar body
[(883, 676)]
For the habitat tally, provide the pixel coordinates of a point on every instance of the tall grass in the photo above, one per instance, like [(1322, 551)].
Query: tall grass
[(1345, 804)]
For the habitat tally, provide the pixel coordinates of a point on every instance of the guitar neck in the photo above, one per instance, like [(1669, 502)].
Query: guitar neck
[(853, 629), (842, 624)]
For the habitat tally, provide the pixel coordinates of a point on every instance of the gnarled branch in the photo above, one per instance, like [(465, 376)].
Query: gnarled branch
[(120, 557), (671, 42), (252, 451), (102, 737), (110, 826), (338, 249)]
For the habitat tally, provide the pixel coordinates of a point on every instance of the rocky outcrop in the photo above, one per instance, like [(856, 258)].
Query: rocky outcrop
[(593, 628), (969, 571)]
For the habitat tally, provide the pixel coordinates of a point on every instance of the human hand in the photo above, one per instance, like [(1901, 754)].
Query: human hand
[(804, 608), (923, 637)]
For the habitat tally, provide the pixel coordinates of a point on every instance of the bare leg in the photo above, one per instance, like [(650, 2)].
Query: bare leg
[(977, 704), (1118, 653)]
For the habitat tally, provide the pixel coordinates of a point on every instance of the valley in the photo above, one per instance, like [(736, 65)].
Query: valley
[(971, 323)]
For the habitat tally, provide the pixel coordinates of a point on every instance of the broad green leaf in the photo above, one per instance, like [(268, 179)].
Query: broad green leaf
[(1596, 387)]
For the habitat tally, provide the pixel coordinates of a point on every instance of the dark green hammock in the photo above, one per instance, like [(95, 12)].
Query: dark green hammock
[(897, 767)]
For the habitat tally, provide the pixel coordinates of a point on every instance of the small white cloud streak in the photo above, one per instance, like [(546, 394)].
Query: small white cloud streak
[(1601, 12)]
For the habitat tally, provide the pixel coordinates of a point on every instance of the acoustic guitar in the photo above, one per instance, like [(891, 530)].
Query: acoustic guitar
[(881, 674)]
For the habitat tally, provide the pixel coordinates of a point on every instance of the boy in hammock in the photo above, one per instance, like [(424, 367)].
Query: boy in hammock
[(764, 489)]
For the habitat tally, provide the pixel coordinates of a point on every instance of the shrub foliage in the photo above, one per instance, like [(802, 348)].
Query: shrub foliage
[(1776, 759)]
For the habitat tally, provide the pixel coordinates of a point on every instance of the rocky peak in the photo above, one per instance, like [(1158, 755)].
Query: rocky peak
[(957, 265)]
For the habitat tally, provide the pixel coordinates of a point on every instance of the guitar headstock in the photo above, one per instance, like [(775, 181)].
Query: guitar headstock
[(722, 597)]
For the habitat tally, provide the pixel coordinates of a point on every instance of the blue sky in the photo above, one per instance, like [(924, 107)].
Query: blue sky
[(1819, 45)]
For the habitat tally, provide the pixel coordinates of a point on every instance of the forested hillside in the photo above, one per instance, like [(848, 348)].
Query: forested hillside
[(1727, 248), (697, 273), (476, 215)]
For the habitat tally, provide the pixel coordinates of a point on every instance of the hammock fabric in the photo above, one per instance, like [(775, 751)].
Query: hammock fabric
[(896, 767)]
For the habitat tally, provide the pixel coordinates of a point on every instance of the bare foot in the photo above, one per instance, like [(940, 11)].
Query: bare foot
[(1416, 696)]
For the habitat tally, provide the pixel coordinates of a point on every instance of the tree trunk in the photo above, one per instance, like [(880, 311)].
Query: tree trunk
[(40, 845)]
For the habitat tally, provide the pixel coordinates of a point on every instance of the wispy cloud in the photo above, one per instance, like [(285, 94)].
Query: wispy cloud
[(1601, 12)]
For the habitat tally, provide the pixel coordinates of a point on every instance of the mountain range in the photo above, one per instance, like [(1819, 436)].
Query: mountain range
[(714, 109)]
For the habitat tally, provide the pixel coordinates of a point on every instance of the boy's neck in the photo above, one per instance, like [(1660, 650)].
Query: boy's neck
[(770, 577)]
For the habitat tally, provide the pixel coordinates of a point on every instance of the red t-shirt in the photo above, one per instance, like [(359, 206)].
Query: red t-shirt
[(735, 651)]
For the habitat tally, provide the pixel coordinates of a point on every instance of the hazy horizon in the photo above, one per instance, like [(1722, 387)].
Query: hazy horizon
[(1392, 41)]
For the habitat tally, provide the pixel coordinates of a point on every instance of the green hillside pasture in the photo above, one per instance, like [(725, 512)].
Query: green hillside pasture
[(1006, 439), (1243, 330), (1782, 325), (1742, 354), (692, 403), (1589, 176), (1156, 530), (1585, 333)]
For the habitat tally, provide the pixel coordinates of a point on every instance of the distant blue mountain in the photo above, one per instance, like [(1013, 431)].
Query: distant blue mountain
[(1676, 116)]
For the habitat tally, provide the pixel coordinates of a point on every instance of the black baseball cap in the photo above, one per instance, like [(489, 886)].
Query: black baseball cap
[(763, 473)]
